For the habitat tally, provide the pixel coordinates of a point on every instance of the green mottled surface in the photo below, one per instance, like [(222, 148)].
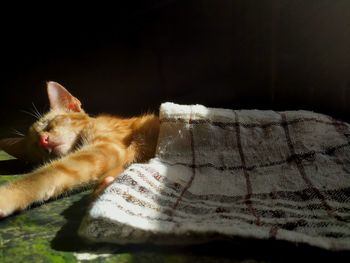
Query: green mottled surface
[(48, 233)]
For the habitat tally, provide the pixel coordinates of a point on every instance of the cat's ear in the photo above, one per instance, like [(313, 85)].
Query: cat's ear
[(15, 147), (61, 99)]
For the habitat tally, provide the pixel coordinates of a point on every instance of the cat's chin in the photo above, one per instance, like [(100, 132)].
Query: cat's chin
[(60, 150)]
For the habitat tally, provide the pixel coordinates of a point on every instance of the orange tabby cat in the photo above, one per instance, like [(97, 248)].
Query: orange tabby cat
[(78, 149)]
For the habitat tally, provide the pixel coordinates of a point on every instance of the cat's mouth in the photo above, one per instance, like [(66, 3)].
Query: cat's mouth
[(55, 149), (59, 149)]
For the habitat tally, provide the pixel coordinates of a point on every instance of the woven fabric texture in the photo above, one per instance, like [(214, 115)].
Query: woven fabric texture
[(222, 173)]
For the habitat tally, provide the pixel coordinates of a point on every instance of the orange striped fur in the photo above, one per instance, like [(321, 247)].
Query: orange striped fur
[(77, 149)]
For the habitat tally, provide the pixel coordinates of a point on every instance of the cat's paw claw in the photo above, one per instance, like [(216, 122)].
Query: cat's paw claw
[(103, 184), (107, 181)]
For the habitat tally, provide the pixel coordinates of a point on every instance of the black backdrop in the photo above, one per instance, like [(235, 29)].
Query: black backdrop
[(131, 57)]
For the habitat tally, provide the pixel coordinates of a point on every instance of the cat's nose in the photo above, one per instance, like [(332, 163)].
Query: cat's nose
[(44, 140)]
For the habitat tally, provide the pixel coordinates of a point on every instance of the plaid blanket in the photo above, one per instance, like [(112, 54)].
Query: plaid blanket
[(222, 174)]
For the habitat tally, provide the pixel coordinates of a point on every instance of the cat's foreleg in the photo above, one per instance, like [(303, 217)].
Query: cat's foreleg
[(79, 168)]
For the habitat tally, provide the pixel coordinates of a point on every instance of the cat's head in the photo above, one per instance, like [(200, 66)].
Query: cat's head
[(56, 133)]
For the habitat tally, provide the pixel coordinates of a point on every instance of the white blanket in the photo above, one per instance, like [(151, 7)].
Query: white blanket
[(222, 174)]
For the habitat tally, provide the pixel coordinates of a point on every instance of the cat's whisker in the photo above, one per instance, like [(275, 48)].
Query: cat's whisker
[(36, 111), (11, 142), (18, 132), (31, 114), (36, 114)]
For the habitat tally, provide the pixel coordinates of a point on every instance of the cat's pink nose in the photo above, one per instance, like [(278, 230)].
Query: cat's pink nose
[(44, 140)]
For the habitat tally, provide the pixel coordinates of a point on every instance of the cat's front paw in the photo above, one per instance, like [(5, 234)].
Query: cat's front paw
[(4, 214), (8, 202), (4, 211)]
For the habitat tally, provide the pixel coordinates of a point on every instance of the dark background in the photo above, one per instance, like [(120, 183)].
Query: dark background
[(130, 57)]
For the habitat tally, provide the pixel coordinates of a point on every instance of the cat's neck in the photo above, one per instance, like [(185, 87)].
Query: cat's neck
[(140, 133)]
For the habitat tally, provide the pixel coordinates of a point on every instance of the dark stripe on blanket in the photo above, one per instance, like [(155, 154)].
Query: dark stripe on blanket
[(267, 210), (309, 156), (343, 131), (301, 170), (273, 232), (247, 200), (341, 196), (250, 125), (298, 197), (193, 163), (294, 221), (167, 215)]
